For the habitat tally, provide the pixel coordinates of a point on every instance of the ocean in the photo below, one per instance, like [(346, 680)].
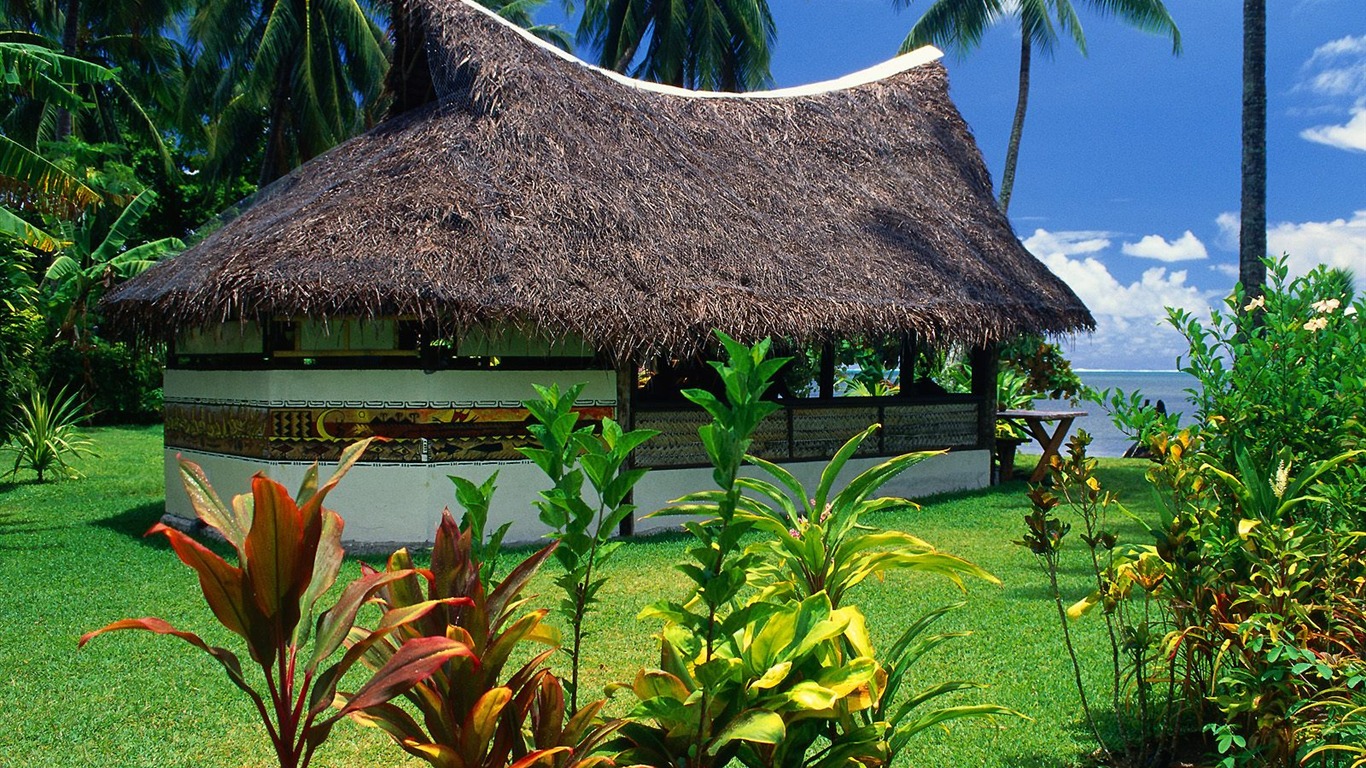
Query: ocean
[(1168, 386)]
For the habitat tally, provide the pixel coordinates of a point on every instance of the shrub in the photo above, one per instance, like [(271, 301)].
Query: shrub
[(121, 384), (787, 675), (289, 554), (1260, 563), (44, 434)]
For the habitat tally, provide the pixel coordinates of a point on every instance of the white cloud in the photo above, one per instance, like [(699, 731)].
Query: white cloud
[(1184, 248), (1339, 243), (1337, 72), (1350, 136), (1131, 328), (1230, 229), (1341, 66)]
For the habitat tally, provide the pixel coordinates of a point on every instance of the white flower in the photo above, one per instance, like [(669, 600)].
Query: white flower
[(1317, 324), (1281, 481), (1350, 311), (1256, 303), (1326, 306)]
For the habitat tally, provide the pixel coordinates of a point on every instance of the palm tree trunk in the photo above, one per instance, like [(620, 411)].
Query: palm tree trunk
[(1017, 128), (275, 161), (1252, 237), (70, 31)]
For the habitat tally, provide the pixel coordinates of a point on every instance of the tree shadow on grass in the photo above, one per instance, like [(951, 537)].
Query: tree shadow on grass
[(134, 523), (18, 524)]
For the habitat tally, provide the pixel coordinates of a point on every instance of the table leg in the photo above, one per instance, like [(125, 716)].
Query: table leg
[(1049, 443)]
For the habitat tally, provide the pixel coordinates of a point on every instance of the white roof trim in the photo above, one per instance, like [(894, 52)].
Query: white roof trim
[(872, 74)]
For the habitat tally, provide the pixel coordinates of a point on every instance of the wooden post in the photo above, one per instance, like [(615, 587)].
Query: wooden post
[(910, 354), (626, 391), (827, 383), (984, 364)]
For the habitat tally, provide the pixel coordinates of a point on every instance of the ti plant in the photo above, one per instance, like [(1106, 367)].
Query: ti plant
[(568, 455), (469, 713), (289, 554)]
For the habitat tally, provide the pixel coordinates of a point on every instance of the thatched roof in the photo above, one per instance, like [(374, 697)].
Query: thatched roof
[(544, 192)]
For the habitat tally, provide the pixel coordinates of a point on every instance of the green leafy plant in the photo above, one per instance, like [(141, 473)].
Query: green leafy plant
[(470, 713), (94, 258), (818, 543), (569, 455), (1259, 564), (786, 676), (289, 554), (44, 434), (475, 501), (1291, 382)]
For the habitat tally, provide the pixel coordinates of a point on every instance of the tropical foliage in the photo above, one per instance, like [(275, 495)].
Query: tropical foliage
[(710, 46), (787, 676), (45, 433), (289, 555), (471, 713), (1244, 611)]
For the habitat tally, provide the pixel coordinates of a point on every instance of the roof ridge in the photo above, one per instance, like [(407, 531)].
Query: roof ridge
[(881, 71)]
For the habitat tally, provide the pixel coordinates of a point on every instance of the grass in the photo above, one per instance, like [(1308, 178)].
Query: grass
[(72, 558)]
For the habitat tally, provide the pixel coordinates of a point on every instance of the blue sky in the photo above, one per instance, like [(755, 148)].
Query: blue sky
[(1128, 183)]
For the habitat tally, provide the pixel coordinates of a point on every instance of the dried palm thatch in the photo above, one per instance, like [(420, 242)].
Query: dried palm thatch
[(544, 193)]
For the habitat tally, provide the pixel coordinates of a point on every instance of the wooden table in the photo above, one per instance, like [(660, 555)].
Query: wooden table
[(1033, 422)]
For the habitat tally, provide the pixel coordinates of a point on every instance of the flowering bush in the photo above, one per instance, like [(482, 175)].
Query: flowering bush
[(1264, 569), (1281, 372)]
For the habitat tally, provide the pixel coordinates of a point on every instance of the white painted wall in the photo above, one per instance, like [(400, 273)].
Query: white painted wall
[(400, 387)]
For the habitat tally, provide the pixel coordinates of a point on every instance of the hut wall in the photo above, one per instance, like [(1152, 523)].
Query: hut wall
[(955, 471), (466, 422)]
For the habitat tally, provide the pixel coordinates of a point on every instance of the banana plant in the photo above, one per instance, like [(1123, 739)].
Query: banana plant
[(289, 554), (94, 259)]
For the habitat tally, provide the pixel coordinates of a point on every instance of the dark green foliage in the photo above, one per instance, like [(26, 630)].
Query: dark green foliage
[(122, 384)]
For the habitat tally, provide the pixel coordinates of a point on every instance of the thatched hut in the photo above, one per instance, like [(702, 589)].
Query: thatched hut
[(544, 220)]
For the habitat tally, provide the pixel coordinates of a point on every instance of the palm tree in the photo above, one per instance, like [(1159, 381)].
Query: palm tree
[(302, 75), (715, 45), (959, 25), (1252, 236), (28, 181), (130, 36)]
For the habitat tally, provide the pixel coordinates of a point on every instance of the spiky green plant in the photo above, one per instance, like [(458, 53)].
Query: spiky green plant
[(45, 433)]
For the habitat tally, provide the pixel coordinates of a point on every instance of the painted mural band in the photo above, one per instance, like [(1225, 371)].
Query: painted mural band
[(414, 435)]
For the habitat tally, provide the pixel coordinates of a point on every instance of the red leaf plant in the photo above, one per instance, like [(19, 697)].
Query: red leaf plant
[(289, 553)]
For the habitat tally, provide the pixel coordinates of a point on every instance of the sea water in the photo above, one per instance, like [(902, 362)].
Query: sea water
[(1107, 440)]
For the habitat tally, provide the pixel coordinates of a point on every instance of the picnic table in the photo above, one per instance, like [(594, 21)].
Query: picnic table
[(1033, 423)]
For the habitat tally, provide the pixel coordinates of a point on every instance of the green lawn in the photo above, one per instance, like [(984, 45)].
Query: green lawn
[(72, 558)]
